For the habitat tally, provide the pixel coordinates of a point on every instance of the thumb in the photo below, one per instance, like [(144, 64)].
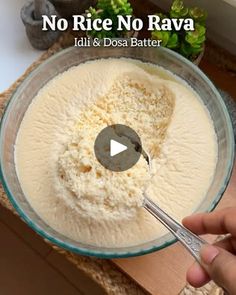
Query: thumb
[(221, 266)]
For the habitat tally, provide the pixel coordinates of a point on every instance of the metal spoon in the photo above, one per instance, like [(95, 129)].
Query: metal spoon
[(189, 240)]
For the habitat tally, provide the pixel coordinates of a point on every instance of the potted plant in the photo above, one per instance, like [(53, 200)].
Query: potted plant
[(188, 43), (110, 9)]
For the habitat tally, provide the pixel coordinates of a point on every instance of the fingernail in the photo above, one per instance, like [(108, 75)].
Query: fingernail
[(208, 253)]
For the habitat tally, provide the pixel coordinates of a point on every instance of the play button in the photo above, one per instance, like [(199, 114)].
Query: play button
[(117, 147)]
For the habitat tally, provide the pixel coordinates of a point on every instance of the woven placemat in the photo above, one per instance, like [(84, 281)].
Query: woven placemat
[(103, 272)]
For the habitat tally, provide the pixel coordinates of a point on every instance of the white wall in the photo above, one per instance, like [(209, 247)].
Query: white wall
[(16, 53), (221, 21)]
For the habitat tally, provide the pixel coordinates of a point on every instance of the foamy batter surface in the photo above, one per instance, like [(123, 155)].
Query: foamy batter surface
[(73, 193)]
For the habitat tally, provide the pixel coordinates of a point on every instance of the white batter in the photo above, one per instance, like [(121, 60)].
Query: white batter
[(73, 193)]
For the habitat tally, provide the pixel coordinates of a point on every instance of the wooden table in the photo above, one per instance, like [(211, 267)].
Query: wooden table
[(162, 272)]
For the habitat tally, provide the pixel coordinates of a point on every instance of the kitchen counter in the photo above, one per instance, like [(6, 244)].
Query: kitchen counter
[(142, 270)]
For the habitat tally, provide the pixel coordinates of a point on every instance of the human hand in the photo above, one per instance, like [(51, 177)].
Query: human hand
[(218, 260)]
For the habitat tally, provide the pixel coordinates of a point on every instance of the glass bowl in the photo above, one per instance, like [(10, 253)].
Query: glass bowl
[(61, 61)]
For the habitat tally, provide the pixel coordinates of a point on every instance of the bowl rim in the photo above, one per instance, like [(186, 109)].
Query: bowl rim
[(116, 254)]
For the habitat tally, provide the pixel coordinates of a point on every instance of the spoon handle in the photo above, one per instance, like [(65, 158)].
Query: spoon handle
[(191, 242)]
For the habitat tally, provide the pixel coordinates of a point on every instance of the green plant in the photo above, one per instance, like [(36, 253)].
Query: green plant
[(110, 9), (188, 43), (169, 39), (178, 9), (198, 14)]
